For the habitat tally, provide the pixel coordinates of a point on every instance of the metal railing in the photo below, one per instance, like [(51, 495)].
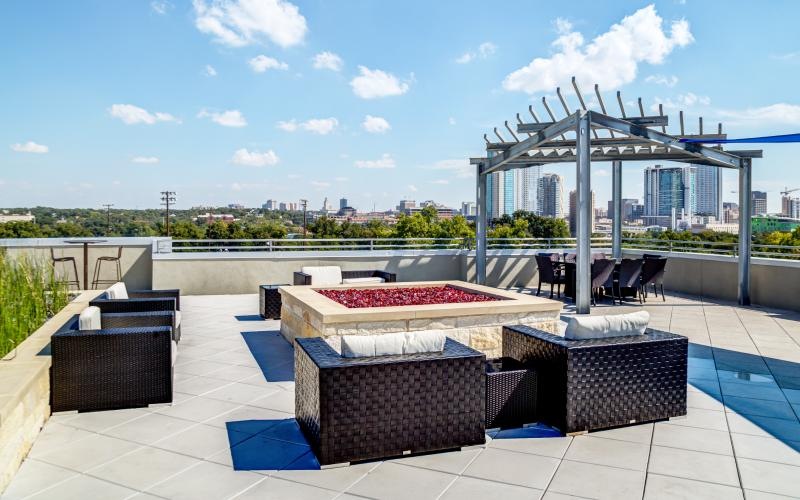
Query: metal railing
[(348, 244)]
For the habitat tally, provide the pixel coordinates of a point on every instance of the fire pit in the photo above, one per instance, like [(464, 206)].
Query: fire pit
[(471, 314)]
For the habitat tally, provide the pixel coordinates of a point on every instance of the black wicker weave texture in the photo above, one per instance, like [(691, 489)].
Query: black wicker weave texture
[(354, 409), (305, 279), (510, 396), (110, 369), (596, 384), (269, 301)]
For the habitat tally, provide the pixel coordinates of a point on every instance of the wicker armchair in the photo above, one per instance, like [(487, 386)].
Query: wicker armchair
[(113, 368), (305, 279), (595, 384), (140, 301), (353, 409)]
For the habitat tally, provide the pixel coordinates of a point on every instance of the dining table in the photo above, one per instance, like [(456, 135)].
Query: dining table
[(568, 269), (85, 242)]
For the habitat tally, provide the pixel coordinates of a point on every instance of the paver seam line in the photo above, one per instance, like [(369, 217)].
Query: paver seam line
[(135, 491), (75, 473), (461, 472), (727, 423), (649, 454), (561, 461)]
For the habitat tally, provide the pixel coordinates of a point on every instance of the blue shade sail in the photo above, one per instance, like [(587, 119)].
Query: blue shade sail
[(759, 140)]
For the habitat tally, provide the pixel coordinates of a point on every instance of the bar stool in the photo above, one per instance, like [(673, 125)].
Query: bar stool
[(99, 265), (63, 259)]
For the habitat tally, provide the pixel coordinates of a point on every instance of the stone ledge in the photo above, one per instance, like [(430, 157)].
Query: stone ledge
[(25, 390)]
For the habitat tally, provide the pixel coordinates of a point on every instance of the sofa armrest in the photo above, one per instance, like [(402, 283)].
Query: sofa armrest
[(138, 319), (302, 278), (371, 273), (155, 294), (134, 305), (387, 276)]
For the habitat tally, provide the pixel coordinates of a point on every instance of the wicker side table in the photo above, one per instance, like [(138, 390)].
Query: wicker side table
[(269, 301), (510, 393)]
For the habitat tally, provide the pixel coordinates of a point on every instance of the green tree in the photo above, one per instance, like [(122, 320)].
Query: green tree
[(186, 230)]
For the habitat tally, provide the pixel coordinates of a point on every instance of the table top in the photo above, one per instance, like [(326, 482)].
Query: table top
[(87, 241)]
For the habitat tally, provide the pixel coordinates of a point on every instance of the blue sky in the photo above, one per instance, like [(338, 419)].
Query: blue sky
[(242, 101)]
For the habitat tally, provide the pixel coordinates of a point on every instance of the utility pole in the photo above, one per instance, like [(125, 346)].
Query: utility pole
[(167, 198), (305, 205), (108, 216)]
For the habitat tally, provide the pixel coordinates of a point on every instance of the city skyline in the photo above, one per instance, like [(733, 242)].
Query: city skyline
[(185, 97)]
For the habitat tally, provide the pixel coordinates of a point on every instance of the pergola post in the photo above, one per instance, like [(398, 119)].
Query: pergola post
[(616, 200), (745, 229), (583, 235), (480, 227)]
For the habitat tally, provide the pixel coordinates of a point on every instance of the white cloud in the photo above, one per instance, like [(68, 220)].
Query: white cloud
[(610, 60), (451, 121), (321, 126), (385, 161), (440, 181), (788, 56), (781, 113), (230, 118), (262, 63), (294, 176), (375, 125), (30, 147), (131, 115), (667, 81), (484, 50), (371, 84), (601, 172), (328, 60), (255, 158), (341, 179), (682, 101), (160, 7), (320, 184), (412, 188), (562, 26), (237, 23), (459, 167), (145, 159), (210, 71)]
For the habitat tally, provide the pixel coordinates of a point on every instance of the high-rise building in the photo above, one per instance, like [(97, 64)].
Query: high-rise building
[(550, 195), (573, 212), (270, 205), (343, 203), (709, 190), (759, 202), (794, 208), (526, 183), (631, 209), (406, 205), (669, 192), (468, 209), (730, 212)]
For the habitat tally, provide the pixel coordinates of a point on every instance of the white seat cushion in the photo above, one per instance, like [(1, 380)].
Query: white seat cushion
[(360, 346), (89, 319), (177, 319), (371, 279), (601, 327), (117, 291), (424, 341), (323, 275), (174, 351)]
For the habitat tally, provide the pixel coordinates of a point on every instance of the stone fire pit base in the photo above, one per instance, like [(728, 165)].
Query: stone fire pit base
[(307, 313)]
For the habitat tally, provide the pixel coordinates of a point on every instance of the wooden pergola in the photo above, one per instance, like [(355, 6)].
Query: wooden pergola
[(584, 136)]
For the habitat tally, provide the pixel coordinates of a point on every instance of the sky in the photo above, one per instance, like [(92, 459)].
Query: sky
[(240, 101)]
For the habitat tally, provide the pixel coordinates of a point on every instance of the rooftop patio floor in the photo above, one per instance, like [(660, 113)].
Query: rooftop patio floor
[(231, 434)]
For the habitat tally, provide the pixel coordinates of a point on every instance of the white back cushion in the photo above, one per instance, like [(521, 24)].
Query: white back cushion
[(601, 327), (424, 341), (117, 291), (89, 319), (323, 275), (360, 346), (371, 279)]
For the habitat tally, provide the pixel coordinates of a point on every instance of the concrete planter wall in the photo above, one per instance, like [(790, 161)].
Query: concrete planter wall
[(25, 391)]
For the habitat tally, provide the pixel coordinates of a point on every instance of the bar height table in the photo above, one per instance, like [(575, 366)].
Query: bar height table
[(85, 242)]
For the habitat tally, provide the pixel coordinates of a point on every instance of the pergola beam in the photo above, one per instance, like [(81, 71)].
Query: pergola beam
[(646, 121), (717, 156), (495, 162)]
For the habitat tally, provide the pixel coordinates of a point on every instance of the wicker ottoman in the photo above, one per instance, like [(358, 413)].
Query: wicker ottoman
[(269, 301), (510, 393)]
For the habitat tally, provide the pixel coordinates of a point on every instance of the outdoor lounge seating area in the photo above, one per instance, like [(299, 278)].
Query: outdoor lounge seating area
[(231, 432)]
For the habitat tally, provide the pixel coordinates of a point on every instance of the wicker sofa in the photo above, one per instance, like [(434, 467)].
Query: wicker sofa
[(345, 277), (125, 364), (594, 384), (354, 409), (140, 301)]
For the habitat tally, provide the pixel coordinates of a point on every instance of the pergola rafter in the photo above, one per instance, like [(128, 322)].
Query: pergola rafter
[(583, 136)]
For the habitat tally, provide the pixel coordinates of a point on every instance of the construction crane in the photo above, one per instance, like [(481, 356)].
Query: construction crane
[(786, 191)]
